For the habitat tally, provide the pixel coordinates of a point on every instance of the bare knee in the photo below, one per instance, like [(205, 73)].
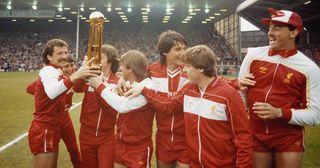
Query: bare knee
[(182, 165), (288, 159), (161, 164), (45, 160), (262, 160), (117, 165)]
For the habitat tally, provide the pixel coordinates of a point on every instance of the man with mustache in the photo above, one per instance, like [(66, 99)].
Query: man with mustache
[(284, 95), (51, 89), (67, 130)]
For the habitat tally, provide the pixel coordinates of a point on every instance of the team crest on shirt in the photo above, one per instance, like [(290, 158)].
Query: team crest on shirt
[(140, 163), (50, 144), (287, 79), (213, 109), (298, 143), (157, 83), (171, 94), (190, 104), (263, 70)]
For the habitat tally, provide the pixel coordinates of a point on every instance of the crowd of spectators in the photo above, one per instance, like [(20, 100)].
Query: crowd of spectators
[(313, 52), (18, 52), (21, 51)]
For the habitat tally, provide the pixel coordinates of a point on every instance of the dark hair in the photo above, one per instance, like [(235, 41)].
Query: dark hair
[(201, 57), (48, 50), (166, 41), (113, 56), (297, 39), (71, 59)]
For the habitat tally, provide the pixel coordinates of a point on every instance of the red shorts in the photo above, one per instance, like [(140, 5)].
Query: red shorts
[(43, 140), (133, 156), (291, 141), (167, 151)]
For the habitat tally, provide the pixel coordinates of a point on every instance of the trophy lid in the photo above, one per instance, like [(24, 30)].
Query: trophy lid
[(96, 14)]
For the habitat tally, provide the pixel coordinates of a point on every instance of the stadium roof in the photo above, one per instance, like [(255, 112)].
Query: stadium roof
[(254, 10), (120, 11)]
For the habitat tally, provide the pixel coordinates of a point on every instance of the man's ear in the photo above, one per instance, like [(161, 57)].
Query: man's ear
[(49, 57), (294, 33), (165, 54), (201, 70)]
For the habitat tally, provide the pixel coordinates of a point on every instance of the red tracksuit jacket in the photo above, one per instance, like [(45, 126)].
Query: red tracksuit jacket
[(134, 127), (291, 84), (167, 83), (50, 97), (31, 89), (216, 125), (97, 117)]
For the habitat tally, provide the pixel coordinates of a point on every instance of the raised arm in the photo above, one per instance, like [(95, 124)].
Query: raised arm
[(163, 103), (159, 102), (120, 103), (52, 86)]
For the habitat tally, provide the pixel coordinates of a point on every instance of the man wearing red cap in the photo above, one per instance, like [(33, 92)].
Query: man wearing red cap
[(284, 95)]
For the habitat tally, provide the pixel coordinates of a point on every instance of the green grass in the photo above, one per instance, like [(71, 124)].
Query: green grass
[(16, 106), (16, 109), (312, 142)]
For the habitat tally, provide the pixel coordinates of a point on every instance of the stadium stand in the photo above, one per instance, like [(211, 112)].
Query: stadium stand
[(24, 56)]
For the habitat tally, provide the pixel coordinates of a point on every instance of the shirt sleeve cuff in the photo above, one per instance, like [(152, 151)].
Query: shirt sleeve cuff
[(100, 88), (67, 82), (286, 114), (145, 91), (235, 84)]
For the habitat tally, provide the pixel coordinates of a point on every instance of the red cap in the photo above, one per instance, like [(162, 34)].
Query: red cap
[(283, 16)]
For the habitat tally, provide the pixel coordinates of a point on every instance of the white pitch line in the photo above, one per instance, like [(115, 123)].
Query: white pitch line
[(75, 105), (13, 142), (4, 147)]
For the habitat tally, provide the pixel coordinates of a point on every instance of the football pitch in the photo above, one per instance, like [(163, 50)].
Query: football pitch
[(16, 108)]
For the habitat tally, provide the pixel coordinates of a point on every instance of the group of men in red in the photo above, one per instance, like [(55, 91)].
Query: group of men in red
[(201, 118)]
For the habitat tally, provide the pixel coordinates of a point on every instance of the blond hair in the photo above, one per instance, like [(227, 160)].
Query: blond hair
[(137, 62)]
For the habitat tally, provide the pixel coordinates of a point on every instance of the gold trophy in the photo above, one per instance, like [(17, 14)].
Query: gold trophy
[(95, 40)]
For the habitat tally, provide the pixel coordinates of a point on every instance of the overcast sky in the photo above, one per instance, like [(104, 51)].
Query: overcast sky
[(247, 26)]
